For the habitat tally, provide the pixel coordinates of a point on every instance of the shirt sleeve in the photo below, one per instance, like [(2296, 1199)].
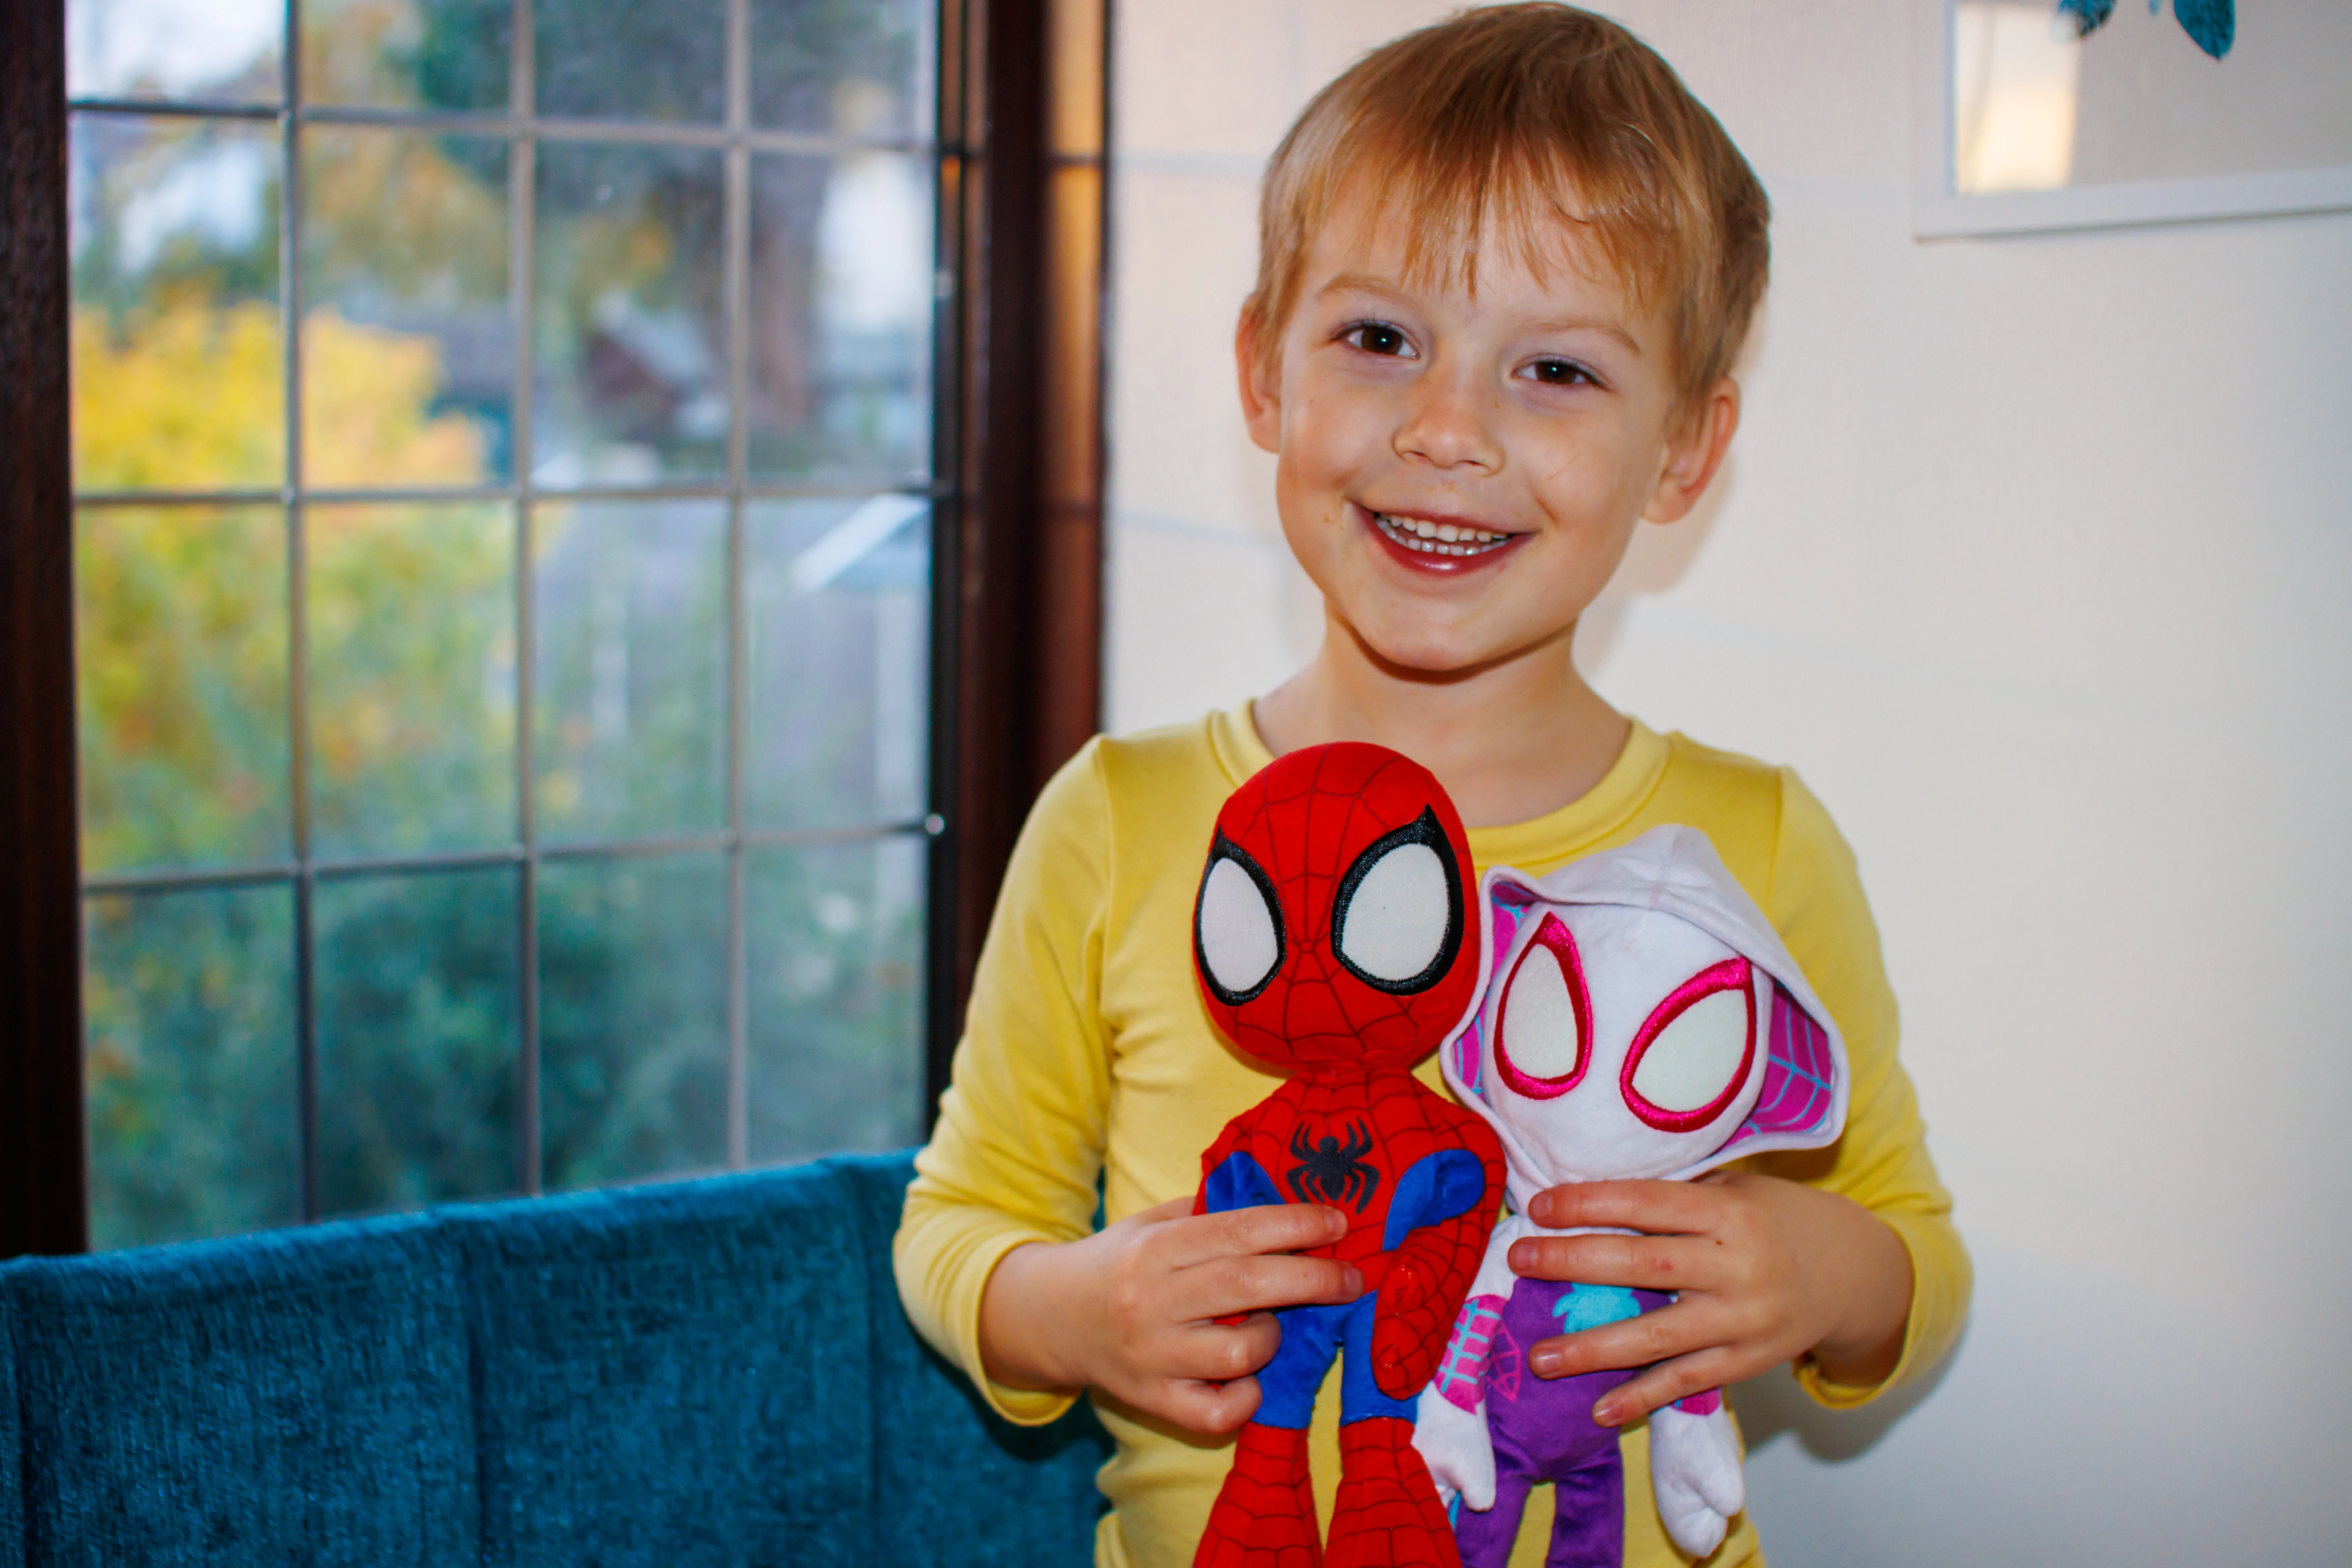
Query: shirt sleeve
[(1021, 1132), (1816, 902)]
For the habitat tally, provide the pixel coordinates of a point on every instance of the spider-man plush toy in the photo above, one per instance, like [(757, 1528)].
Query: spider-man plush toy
[(1336, 937)]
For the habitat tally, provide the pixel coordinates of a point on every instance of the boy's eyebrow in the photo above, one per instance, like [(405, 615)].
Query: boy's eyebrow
[(1587, 324), (1366, 283)]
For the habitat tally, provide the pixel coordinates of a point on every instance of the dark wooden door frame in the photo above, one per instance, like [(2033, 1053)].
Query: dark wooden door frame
[(1017, 584), (1019, 565), (43, 1205)]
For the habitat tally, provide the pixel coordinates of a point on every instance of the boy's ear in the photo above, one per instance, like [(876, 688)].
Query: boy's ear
[(1695, 453), (1261, 391)]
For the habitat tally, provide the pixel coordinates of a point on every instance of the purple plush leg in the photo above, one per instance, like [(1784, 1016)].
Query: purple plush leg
[(1485, 1539), (1588, 1529), (1543, 1430)]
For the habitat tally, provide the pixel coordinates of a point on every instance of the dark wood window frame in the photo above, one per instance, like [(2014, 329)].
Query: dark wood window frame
[(1017, 564)]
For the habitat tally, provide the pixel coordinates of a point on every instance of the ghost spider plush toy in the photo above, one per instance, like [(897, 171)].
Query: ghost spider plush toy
[(1336, 937), (1638, 1017)]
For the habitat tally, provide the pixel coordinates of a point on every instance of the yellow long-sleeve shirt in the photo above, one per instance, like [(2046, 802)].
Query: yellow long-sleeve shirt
[(1086, 1053)]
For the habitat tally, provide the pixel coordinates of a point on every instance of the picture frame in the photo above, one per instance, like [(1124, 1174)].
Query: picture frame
[(1942, 210)]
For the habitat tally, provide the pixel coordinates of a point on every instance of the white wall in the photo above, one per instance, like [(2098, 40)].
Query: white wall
[(2035, 557)]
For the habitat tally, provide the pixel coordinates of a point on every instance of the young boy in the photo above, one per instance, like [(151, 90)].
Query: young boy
[(1506, 265)]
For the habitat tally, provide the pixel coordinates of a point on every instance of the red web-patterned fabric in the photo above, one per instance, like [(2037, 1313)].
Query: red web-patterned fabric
[(1348, 1132), (1305, 818)]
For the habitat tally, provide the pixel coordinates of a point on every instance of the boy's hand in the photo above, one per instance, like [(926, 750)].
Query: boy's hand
[(1134, 1309), (1766, 1269)]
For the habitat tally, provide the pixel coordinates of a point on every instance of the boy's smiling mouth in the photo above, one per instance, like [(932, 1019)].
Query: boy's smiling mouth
[(1428, 542)]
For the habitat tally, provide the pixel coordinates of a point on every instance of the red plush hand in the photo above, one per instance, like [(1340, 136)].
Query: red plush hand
[(1427, 1277)]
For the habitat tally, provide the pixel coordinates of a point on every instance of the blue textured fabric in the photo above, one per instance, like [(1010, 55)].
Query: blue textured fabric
[(12, 1454), (956, 1486), (296, 1398), (703, 1373), (672, 1376)]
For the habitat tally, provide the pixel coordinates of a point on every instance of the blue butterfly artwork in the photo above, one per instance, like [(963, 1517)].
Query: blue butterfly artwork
[(2211, 25)]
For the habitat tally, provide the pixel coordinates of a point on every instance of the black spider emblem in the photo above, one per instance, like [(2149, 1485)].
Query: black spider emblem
[(1330, 1171)]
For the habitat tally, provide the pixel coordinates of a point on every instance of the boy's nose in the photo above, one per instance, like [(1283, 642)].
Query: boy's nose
[(1449, 425)]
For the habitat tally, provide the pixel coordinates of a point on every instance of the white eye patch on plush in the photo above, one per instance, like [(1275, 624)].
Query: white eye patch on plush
[(1693, 1053), (1237, 926)]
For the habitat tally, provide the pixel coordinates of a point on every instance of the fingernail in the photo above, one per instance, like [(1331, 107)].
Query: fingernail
[(1545, 1362), (1539, 1208), (1354, 1282), (1608, 1412)]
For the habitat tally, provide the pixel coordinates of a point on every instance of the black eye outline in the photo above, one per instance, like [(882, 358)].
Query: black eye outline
[(1422, 829), (1223, 848)]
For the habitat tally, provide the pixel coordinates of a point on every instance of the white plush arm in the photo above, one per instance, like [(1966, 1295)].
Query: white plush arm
[(1453, 1441), (1695, 1471)]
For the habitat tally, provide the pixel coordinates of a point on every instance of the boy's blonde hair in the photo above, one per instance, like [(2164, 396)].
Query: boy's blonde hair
[(1529, 114)]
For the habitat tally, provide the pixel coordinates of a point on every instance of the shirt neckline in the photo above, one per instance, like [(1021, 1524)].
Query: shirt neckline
[(1555, 836)]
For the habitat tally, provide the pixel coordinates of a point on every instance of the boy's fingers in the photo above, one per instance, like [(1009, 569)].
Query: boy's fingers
[(1677, 1379), (1208, 1407), (1262, 1281), (1647, 1262), (1160, 1213), (1665, 1207), (1226, 1352), (1673, 1330), (1272, 1228)]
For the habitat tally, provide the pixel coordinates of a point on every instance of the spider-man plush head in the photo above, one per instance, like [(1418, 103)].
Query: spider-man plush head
[(1335, 925)]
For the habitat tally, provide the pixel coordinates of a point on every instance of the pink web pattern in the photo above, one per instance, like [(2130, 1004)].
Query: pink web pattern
[(1502, 925), (1798, 1072)]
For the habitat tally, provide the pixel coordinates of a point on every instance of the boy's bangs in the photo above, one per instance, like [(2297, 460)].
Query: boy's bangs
[(1533, 212)]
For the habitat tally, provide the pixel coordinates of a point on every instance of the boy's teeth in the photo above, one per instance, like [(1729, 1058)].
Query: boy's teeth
[(1437, 538)]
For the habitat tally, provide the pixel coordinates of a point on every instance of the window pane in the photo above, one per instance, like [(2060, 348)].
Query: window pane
[(599, 60), (412, 678), (631, 345), (836, 1003), (194, 1124), (840, 316), (838, 595), (178, 362), (633, 1017), (180, 656), (407, 54), (225, 50), (850, 70), (418, 1039), (408, 344), (632, 674)]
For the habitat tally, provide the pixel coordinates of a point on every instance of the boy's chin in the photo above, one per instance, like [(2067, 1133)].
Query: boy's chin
[(1424, 657)]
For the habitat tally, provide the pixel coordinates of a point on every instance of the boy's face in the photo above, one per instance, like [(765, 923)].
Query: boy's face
[(1528, 428)]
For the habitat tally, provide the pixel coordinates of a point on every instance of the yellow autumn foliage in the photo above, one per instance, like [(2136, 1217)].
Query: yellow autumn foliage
[(183, 611), (189, 397)]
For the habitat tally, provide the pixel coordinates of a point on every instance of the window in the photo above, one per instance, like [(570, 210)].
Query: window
[(505, 454)]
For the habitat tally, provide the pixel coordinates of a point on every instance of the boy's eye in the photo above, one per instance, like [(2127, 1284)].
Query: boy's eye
[(1558, 372), (1376, 338)]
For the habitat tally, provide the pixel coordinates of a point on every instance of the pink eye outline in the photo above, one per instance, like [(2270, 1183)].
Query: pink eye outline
[(1553, 937), (1710, 982)]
